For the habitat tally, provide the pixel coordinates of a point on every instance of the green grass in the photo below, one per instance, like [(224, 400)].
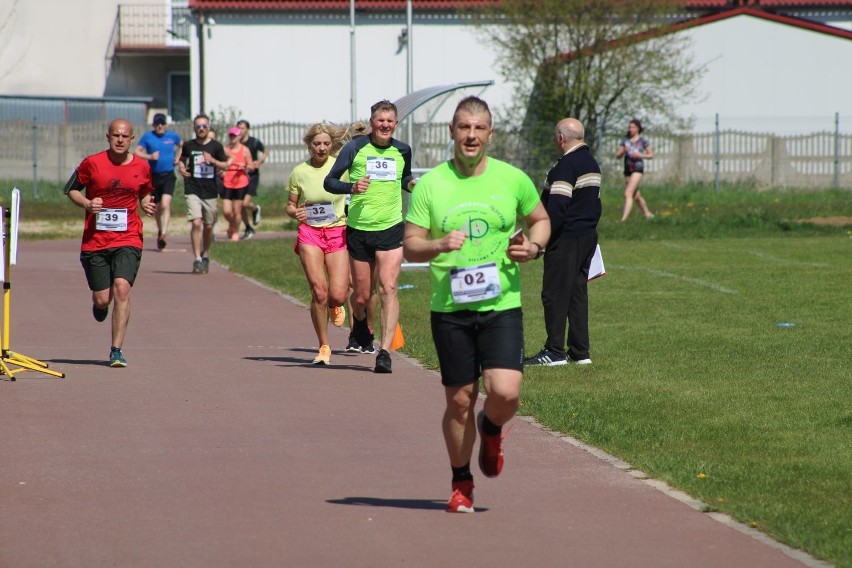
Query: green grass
[(693, 381)]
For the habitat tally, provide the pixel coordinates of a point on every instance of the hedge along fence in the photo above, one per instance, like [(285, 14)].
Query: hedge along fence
[(818, 160)]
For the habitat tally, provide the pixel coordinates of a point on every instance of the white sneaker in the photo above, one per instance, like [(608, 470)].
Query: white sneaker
[(256, 218), (580, 361)]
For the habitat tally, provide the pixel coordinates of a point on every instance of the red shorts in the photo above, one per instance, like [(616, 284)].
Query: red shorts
[(329, 239)]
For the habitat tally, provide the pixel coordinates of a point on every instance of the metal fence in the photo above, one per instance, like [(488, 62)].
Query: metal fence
[(48, 151)]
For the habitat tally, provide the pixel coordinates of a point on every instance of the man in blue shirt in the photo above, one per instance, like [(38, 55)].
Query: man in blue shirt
[(162, 148)]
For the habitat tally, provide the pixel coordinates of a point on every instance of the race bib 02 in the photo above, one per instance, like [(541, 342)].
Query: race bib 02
[(475, 283)]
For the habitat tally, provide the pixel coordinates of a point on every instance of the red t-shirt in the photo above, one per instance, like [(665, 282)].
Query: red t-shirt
[(120, 187)]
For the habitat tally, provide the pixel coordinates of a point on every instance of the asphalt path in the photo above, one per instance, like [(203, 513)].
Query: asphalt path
[(221, 445)]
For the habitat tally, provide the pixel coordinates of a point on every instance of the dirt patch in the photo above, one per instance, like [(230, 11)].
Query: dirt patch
[(829, 221)]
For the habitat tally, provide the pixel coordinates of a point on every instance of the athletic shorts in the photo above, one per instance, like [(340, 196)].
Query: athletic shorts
[(469, 342), (235, 194), (104, 266), (204, 209), (329, 239), (363, 245), (254, 181), (636, 167), (164, 184)]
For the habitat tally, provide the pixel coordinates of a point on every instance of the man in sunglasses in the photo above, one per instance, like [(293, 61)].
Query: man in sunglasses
[(199, 160)]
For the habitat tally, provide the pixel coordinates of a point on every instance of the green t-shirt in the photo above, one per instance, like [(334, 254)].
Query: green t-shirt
[(485, 208), (389, 170)]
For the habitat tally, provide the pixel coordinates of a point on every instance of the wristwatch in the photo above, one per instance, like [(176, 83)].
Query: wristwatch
[(540, 251)]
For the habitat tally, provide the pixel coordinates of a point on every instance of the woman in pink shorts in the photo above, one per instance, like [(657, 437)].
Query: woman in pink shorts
[(321, 244)]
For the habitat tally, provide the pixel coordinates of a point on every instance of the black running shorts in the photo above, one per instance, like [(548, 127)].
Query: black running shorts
[(468, 342), (363, 245), (164, 184), (104, 266)]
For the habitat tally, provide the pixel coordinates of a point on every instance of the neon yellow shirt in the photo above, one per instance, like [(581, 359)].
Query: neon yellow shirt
[(306, 182), (485, 207)]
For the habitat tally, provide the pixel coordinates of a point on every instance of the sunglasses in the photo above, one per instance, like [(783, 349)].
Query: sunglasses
[(205, 125)]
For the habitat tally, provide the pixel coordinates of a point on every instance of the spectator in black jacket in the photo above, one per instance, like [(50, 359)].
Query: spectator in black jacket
[(572, 197)]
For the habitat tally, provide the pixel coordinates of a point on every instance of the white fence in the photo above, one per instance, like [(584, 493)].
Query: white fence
[(818, 160)]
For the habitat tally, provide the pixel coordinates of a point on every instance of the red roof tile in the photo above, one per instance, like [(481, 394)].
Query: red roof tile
[(731, 4)]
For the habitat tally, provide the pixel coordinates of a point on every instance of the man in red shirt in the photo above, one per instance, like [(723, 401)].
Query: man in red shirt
[(114, 181)]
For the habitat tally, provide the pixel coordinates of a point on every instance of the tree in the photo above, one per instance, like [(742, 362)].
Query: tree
[(601, 61)]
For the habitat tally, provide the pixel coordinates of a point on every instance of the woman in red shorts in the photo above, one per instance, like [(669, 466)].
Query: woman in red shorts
[(321, 243)]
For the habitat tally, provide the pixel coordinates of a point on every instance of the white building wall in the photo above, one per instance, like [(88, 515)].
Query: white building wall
[(769, 77), (56, 47), (300, 72)]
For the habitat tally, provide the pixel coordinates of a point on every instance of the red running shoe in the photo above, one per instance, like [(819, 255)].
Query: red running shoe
[(461, 500), (490, 450)]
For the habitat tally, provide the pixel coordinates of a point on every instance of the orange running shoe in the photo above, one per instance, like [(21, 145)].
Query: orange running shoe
[(338, 315), (324, 356), (461, 500)]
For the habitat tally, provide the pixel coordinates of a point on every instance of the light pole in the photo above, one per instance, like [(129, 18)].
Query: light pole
[(354, 108), (409, 75)]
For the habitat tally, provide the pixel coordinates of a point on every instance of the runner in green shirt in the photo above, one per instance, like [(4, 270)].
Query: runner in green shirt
[(462, 219), (379, 168)]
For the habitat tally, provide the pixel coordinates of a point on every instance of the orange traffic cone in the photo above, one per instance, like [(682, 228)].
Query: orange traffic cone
[(398, 340)]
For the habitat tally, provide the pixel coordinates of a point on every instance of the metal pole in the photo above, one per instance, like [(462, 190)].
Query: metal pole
[(200, 32), (409, 76), (836, 150), (716, 152), (35, 158), (352, 99)]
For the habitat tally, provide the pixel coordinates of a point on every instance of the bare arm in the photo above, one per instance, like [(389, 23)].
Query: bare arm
[(524, 249), (293, 209), (418, 247)]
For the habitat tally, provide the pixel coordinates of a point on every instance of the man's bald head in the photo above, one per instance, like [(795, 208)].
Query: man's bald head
[(571, 128)]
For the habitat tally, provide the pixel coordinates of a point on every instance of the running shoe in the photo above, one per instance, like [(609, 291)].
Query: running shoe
[(197, 267), (324, 356), (255, 216), (361, 331), (338, 316), (353, 346), (161, 242), (116, 359), (383, 362), (490, 450), (248, 234), (547, 358), (205, 265), (99, 313), (368, 349), (461, 500), (579, 361)]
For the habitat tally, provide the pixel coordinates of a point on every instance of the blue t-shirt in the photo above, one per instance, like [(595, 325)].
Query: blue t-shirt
[(164, 144)]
